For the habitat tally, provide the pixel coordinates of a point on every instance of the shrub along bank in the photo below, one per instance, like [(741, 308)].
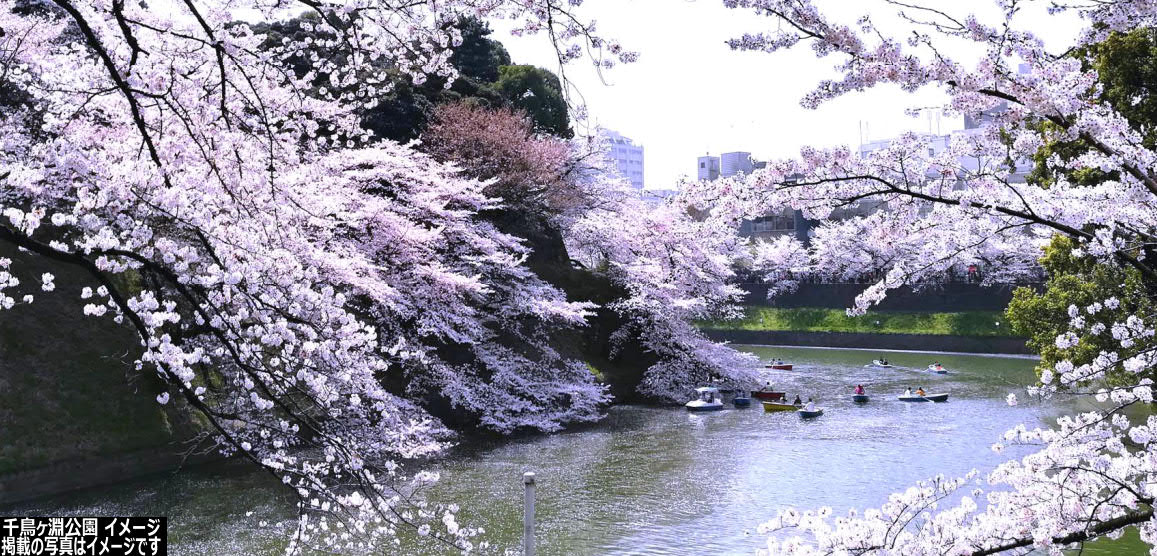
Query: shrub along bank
[(967, 323)]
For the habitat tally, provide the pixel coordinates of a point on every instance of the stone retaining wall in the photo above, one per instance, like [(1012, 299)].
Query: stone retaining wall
[(916, 342), (945, 298), (65, 476)]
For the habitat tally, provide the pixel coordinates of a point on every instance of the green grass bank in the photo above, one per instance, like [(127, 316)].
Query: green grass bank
[(967, 323)]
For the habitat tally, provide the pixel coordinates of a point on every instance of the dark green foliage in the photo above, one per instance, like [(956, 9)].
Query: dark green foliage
[(537, 92), (1126, 65), (966, 323), (479, 57), (404, 109), (1042, 316), (1045, 174), (402, 113), (36, 7)]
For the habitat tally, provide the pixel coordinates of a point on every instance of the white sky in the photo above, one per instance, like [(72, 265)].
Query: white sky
[(689, 94)]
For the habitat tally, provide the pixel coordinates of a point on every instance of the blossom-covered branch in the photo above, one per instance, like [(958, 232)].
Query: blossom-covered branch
[(908, 213)]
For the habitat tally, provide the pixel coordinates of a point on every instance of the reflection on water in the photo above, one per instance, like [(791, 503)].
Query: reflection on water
[(653, 480)]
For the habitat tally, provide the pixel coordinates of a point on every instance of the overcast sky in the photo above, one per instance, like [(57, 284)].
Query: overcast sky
[(689, 94)]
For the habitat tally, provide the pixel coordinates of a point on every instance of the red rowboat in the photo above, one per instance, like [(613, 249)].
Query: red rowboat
[(780, 366), (768, 395)]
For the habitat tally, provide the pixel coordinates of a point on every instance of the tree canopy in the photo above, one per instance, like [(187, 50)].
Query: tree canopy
[(327, 300), (927, 211), (537, 92), (306, 285), (403, 108), (478, 57), (1126, 68), (1076, 283)]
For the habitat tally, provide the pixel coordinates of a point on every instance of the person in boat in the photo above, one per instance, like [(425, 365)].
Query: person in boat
[(811, 406), (908, 392), (859, 389), (797, 400), (883, 361), (920, 391)]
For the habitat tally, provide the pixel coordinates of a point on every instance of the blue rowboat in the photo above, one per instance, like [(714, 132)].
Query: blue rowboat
[(810, 414), (860, 398)]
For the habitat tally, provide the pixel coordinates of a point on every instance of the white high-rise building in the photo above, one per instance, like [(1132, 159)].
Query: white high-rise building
[(708, 168), (627, 156), (728, 164), (735, 163)]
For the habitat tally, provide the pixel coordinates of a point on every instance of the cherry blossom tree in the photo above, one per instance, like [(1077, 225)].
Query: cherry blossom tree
[(920, 212), (463, 318), (307, 288), (278, 265), (669, 268), (266, 252), (529, 171), (676, 269)]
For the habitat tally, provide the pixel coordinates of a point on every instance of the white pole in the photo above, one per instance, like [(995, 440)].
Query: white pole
[(528, 515)]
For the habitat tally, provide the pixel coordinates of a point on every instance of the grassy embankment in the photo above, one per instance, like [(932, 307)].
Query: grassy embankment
[(968, 323)]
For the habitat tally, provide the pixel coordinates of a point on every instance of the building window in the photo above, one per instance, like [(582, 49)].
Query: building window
[(773, 224)]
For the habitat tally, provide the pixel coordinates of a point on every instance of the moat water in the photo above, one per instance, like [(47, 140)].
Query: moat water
[(659, 480)]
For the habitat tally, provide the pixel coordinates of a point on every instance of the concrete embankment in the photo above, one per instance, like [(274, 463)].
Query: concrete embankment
[(915, 342)]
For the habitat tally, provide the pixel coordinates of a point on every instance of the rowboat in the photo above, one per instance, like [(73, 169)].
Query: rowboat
[(779, 365), (768, 394), (860, 398), (938, 369), (877, 364), (809, 414), (925, 398), (772, 407), (707, 399), (741, 401)]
